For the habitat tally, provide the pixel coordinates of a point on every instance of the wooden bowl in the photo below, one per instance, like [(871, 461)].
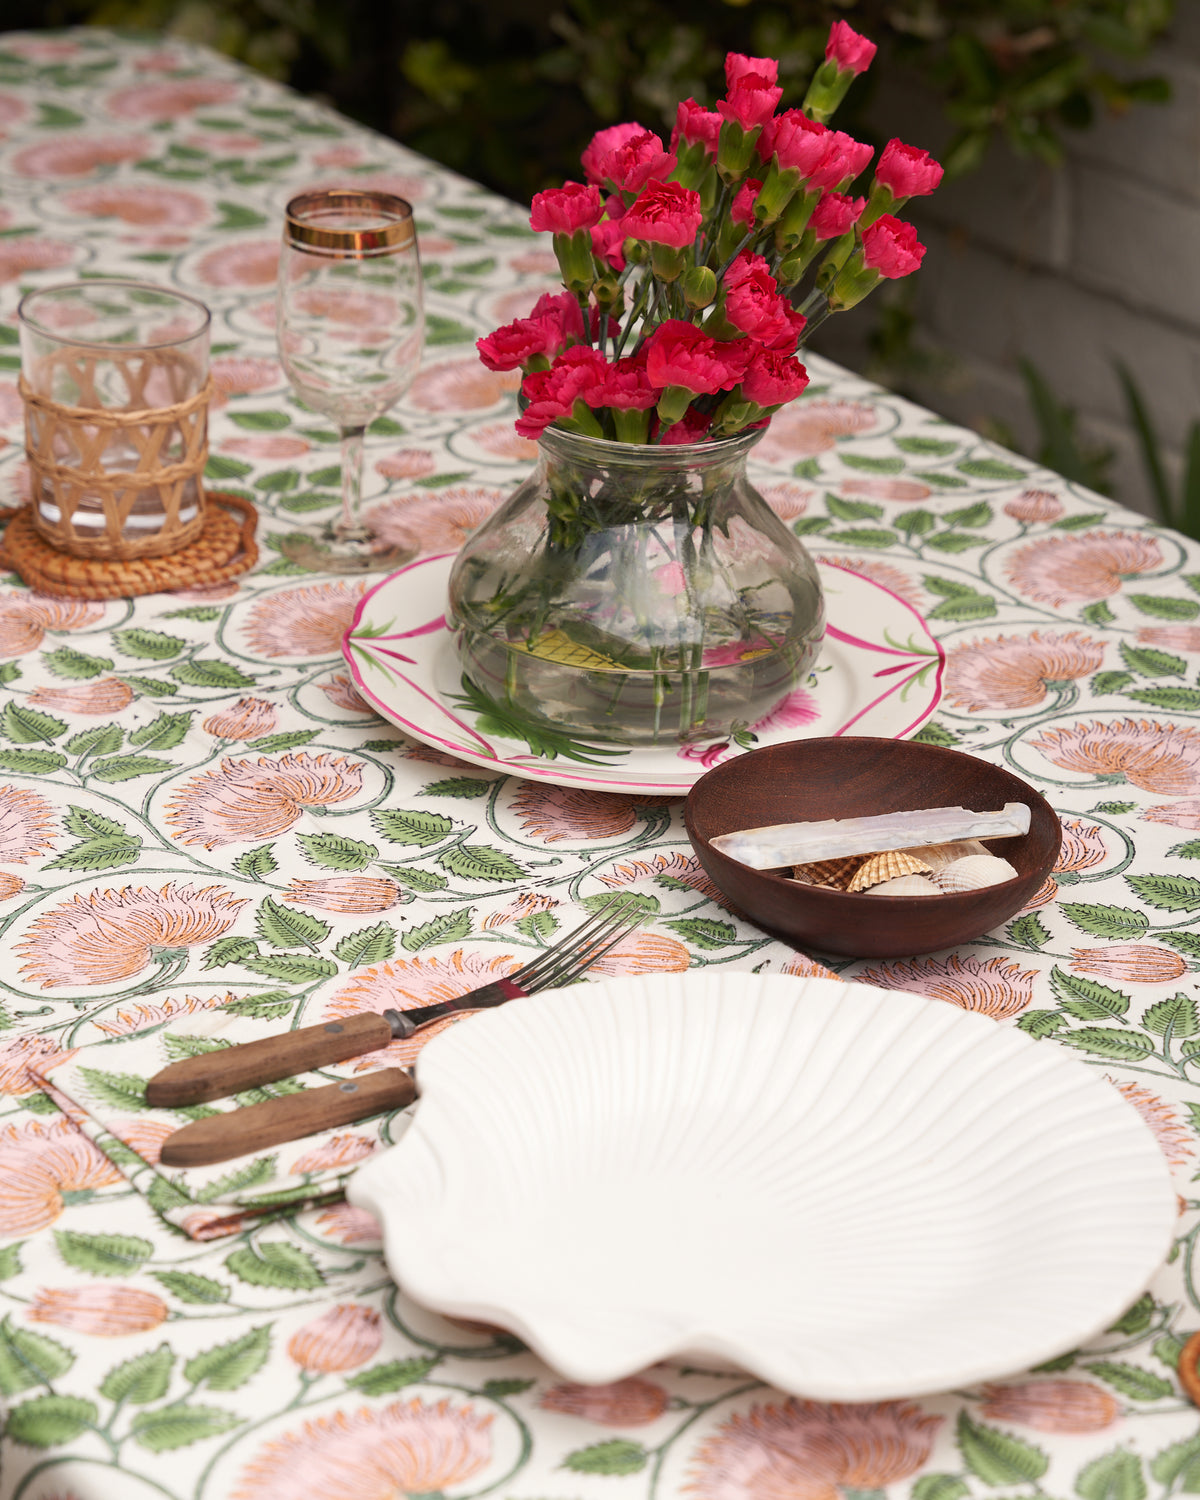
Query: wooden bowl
[(812, 780)]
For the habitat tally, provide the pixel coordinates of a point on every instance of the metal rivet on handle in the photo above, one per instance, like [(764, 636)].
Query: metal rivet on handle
[(347, 1088)]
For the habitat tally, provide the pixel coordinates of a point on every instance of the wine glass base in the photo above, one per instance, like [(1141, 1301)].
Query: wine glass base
[(320, 554)]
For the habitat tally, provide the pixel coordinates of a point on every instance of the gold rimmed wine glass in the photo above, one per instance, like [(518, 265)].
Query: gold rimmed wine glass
[(350, 324)]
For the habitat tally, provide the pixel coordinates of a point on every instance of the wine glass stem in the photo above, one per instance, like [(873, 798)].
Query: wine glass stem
[(350, 524)]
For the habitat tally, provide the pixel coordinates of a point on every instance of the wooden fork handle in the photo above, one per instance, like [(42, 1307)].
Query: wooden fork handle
[(244, 1132), (230, 1070)]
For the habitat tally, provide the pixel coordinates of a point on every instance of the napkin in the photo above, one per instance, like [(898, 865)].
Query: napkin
[(102, 1087)]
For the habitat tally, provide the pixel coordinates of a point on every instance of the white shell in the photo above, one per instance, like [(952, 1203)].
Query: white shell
[(974, 873), (780, 844), (699, 1165), (937, 855), (905, 885)]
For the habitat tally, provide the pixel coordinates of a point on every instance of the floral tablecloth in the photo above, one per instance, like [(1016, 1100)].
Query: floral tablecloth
[(200, 818)]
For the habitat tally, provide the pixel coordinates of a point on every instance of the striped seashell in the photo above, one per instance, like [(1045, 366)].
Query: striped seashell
[(974, 873), (837, 873), (905, 885), (889, 865), (937, 856)]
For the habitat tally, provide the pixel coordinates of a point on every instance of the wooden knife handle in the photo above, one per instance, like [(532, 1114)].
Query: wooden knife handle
[(243, 1132), (230, 1070)]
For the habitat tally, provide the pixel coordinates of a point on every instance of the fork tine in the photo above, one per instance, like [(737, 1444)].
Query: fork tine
[(580, 948)]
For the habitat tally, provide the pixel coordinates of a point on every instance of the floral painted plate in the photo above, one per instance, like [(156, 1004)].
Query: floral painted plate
[(853, 1193), (879, 673)]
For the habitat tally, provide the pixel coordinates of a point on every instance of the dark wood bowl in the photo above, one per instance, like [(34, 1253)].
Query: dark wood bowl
[(811, 780)]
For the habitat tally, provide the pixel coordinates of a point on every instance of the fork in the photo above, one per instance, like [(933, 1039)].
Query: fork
[(232, 1070)]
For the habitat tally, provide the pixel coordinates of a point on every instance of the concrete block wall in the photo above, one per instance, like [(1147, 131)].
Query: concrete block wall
[(1070, 268)]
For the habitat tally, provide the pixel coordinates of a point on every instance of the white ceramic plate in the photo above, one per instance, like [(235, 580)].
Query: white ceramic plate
[(852, 1193), (879, 673)]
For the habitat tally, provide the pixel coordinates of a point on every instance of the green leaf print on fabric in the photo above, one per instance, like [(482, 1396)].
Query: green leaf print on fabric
[(1179, 1462), (225, 1367), (1164, 608), (940, 1487), (66, 661), (1120, 1046), (102, 1254), (255, 863), (480, 862), (179, 1425), (406, 826), (162, 733), (370, 945), (291, 968), (1152, 663), (334, 851), (275, 1263), (1112, 1476), (28, 1359), (142, 1379), (122, 1090), (50, 1421), (997, 1457), (448, 929), (153, 644), (1167, 892), (380, 1380), (617, 1456), (26, 726), (127, 767), (704, 932), (1107, 921), (102, 740), (1131, 1380), (1086, 999), (207, 672), (189, 1286), (1177, 1016), (284, 927)]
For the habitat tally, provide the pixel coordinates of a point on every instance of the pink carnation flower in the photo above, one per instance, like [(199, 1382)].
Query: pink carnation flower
[(678, 353), (564, 210), (737, 65), (604, 143), (907, 171), (753, 304), (631, 166), (835, 214), (555, 322), (625, 386), (855, 154), (695, 125), (796, 141), (751, 101), (849, 50), (692, 427), (664, 213), (608, 242), (742, 211), (891, 247), (552, 393), (772, 377)]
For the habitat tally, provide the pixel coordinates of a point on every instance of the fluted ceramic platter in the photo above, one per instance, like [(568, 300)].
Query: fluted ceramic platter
[(879, 673), (852, 1193)]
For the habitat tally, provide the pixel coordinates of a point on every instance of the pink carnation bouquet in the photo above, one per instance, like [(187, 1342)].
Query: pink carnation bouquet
[(693, 271)]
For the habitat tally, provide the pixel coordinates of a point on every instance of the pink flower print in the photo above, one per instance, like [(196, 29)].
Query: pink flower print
[(406, 1448), (643, 952), (247, 719), (12, 408), (12, 109), (496, 438), (1082, 845), (243, 377), (160, 62), (885, 574), (41, 1161), (105, 1312), (249, 263), (42, 49), (1069, 1406), (223, 142), (23, 1052), (435, 523), (806, 1450), (1012, 671), (1129, 963), (788, 501), (346, 893), (27, 825), (25, 618), (339, 1339), (1157, 757), (305, 622), (792, 712), (337, 1151), (339, 156), (158, 207), (812, 427), (108, 936), (806, 968), (407, 463), (207, 593), (137, 1017), (462, 385), (707, 755), (107, 696), (278, 445), (246, 801), (146, 1137), (10, 885), (678, 869), (533, 263), (553, 813), (994, 987), (1171, 1134), (634, 1402), (156, 102), (402, 184), (527, 904), (1034, 505), (1170, 637), (885, 488), (1185, 814), (79, 155), (350, 1226), (1074, 569), (342, 693), (17, 257)]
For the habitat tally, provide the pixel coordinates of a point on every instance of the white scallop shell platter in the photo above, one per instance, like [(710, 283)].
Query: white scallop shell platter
[(852, 1193)]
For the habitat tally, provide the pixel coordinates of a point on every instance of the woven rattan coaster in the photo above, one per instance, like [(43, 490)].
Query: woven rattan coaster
[(223, 550)]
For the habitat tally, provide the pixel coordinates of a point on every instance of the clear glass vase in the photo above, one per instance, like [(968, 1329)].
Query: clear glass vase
[(636, 594)]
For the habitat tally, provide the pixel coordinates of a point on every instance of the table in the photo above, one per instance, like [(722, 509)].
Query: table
[(281, 1361)]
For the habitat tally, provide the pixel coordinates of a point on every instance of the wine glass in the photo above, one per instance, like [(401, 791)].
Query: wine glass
[(350, 326)]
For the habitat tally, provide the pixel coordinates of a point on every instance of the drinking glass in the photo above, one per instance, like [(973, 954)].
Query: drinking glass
[(350, 325)]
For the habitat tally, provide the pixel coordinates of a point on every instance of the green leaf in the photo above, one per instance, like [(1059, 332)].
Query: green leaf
[(28, 1358), (457, 786), (121, 1090), (1110, 682), (255, 863), (1167, 1349), (954, 541), (102, 740), (965, 607), (1115, 808), (405, 826), (915, 522), (162, 733), (1098, 614), (1119, 1046), (1152, 663), (989, 468), (10, 1258), (703, 932), (940, 481), (219, 467), (1181, 700), (98, 854), (1135, 1319), (370, 945), (386, 427), (274, 1263), (852, 510), (164, 1197), (1131, 1380), (205, 613), (291, 740), (229, 950), (936, 734), (1167, 892), (1188, 850), (189, 1286), (446, 929), (27, 726), (260, 421), (1107, 921), (940, 1487), (997, 1457), (872, 465), (1186, 942), (178, 1045), (617, 1456), (480, 862), (1085, 999), (67, 662), (179, 1426), (380, 1380), (1165, 609), (210, 673), (541, 925), (102, 1254), (56, 116), (127, 767), (1179, 1461), (142, 1379), (1040, 1023), (979, 514), (929, 447), (1176, 1017), (334, 851), (284, 927), (1029, 931), (278, 481), (442, 330), (291, 968), (225, 1367), (149, 685), (1112, 1476), (260, 1006), (50, 1421), (152, 644), (416, 879), (864, 536)]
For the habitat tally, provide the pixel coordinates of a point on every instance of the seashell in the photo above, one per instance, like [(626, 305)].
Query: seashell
[(937, 856), (780, 844), (974, 873), (889, 865), (837, 873), (905, 885)]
